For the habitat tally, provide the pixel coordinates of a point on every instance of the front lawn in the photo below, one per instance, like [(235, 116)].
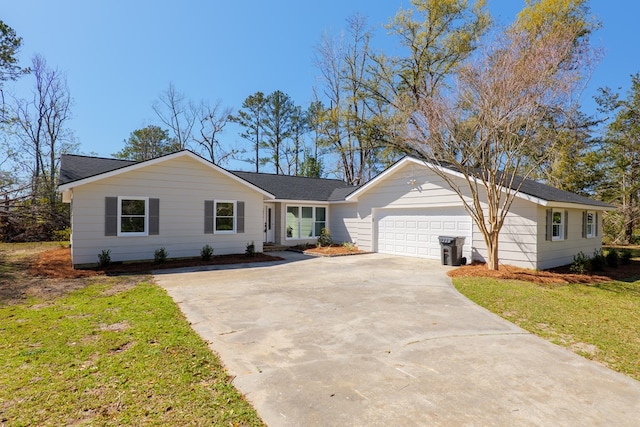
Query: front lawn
[(599, 321), (104, 350)]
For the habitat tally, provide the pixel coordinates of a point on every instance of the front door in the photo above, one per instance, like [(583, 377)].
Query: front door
[(269, 226)]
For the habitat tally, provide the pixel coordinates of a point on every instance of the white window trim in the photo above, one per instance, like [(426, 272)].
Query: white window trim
[(146, 217), (215, 217), (592, 234), (562, 225), (313, 219)]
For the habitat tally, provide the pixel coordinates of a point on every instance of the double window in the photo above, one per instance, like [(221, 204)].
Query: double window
[(305, 221)]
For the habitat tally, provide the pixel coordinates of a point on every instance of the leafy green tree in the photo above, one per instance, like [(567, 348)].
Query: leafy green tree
[(280, 114), (621, 185), (573, 161), (310, 166), (437, 35), (252, 118), (9, 69), (147, 143)]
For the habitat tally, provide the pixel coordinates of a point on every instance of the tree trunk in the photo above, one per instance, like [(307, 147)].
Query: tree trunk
[(492, 251)]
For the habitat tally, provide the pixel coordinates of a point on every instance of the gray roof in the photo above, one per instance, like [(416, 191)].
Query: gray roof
[(74, 168), (299, 187), (551, 194)]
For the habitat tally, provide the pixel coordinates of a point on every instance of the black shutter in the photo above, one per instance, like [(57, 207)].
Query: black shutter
[(110, 216), (566, 225), (154, 217), (208, 217), (240, 217), (596, 225), (585, 217), (549, 225)]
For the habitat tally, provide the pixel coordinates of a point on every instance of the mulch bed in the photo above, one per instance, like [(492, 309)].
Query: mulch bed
[(329, 251), (56, 263), (560, 275)]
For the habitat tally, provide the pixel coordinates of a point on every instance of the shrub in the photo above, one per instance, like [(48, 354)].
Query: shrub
[(598, 261), (325, 238), (63, 235), (348, 246), (160, 255), (580, 264), (104, 257), (251, 250), (612, 258), (625, 257), (206, 253)]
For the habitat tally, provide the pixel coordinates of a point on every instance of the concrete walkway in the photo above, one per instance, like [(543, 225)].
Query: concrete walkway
[(375, 340)]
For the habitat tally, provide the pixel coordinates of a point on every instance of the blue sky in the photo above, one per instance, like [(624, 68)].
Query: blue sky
[(119, 55)]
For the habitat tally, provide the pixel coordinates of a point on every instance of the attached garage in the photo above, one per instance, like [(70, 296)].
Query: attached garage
[(415, 231)]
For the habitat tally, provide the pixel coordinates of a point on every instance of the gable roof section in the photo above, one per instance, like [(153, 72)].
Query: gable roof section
[(286, 187), (75, 168), (531, 190), (80, 170)]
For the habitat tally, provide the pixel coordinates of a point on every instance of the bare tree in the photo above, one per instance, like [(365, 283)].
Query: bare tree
[(178, 113), (40, 128), (344, 64), (213, 119), (39, 135), (485, 127)]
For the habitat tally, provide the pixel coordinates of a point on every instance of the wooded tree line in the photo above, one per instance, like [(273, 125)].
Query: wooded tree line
[(447, 96)]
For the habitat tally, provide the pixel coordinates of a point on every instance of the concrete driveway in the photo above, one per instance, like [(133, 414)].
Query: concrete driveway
[(380, 340)]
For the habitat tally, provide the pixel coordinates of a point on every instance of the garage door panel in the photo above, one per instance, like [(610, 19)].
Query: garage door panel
[(414, 232)]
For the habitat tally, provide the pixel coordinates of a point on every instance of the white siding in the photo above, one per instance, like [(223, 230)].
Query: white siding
[(561, 252), (343, 220), (182, 185), (399, 190), (517, 242), (518, 238)]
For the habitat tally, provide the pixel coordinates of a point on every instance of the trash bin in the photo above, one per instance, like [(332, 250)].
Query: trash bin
[(451, 250)]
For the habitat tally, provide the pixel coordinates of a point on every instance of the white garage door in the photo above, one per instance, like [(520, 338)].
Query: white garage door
[(414, 232)]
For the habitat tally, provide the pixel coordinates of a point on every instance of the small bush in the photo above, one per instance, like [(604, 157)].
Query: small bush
[(251, 249), (598, 261), (160, 255), (580, 264), (612, 258), (206, 253), (63, 235), (625, 257), (325, 238), (104, 257), (348, 246)]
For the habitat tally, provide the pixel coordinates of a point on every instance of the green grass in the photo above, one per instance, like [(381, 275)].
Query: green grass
[(100, 356), (600, 322)]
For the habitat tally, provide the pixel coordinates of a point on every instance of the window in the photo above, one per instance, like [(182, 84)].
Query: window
[(132, 216), (590, 225), (557, 232), (305, 221), (225, 216)]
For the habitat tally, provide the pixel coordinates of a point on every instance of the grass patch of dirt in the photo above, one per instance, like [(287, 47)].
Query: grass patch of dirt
[(45, 271), (80, 347)]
